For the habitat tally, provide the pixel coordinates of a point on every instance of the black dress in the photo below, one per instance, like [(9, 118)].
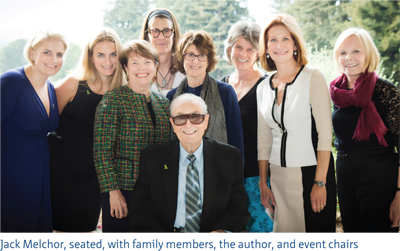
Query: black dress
[(367, 172), (74, 187), (259, 221)]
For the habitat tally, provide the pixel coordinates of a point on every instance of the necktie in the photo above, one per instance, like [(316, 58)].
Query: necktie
[(193, 197)]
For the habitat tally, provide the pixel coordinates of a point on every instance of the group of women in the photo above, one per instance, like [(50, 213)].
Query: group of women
[(70, 151)]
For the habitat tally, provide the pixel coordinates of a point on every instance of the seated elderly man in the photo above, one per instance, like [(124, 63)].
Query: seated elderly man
[(191, 184)]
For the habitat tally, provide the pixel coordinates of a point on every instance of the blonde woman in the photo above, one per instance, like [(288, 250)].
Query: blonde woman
[(29, 111), (75, 192), (366, 124)]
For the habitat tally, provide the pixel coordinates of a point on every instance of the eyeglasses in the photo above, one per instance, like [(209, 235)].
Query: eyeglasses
[(191, 57), (195, 119), (167, 32)]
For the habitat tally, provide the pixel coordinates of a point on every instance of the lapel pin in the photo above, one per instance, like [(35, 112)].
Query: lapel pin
[(165, 167), (87, 92)]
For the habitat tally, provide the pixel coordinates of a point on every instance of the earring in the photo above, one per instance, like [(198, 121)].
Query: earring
[(267, 55), (127, 78), (295, 53)]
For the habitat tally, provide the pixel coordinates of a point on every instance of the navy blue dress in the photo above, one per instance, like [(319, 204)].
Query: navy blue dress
[(25, 189)]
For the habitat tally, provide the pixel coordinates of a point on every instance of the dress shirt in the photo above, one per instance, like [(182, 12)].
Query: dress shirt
[(183, 165)]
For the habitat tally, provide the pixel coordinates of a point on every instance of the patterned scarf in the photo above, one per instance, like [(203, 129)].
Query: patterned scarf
[(210, 94), (369, 121)]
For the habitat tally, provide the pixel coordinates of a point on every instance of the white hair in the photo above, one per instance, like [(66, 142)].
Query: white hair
[(188, 98)]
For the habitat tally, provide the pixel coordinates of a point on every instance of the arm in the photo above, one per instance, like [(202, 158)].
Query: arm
[(105, 135), (321, 110), (142, 210), (395, 207), (265, 192), (393, 111), (264, 145), (65, 92), (236, 216)]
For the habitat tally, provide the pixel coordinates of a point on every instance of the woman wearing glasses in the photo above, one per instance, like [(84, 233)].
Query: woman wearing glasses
[(128, 119), (196, 57), (161, 29)]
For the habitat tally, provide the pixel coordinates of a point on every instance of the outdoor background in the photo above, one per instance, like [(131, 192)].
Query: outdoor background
[(321, 23)]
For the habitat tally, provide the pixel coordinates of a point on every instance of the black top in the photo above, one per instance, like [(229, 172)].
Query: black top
[(71, 145), (248, 112), (344, 120)]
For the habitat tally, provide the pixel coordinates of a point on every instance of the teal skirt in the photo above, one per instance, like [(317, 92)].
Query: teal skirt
[(259, 221)]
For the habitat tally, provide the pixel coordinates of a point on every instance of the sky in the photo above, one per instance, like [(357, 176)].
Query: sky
[(73, 18)]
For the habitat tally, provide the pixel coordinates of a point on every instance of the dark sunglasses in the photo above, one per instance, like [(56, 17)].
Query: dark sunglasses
[(195, 119)]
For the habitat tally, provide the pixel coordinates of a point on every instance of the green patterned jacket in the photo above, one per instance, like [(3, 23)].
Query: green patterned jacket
[(123, 127)]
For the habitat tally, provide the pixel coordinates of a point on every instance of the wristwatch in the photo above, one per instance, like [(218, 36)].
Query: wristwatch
[(320, 183)]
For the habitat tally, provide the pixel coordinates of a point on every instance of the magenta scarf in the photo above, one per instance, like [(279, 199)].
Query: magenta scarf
[(369, 121)]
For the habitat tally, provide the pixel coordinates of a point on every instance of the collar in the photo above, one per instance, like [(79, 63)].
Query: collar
[(183, 153)]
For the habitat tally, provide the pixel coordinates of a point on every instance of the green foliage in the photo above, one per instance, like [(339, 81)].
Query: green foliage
[(126, 18), (215, 17), (320, 21), (323, 60), (382, 20), (11, 55)]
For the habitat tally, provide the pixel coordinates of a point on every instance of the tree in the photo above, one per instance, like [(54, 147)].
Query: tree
[(322, 22), (126, 18), (382, 20), (215, 17), (11, 55)]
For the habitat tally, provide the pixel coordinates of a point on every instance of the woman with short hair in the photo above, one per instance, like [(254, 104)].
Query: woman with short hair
[(366, 124), (29, 111), (241, 51), (161, 29), (294, 133), (128, 119), (196, 57), (75, 191)]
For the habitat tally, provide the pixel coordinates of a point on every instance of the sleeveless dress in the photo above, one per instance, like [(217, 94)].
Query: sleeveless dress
[(259, 221), (75, 191), (25, 188)]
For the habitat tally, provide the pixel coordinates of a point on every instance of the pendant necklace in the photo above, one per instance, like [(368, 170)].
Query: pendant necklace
[(164, 82)]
